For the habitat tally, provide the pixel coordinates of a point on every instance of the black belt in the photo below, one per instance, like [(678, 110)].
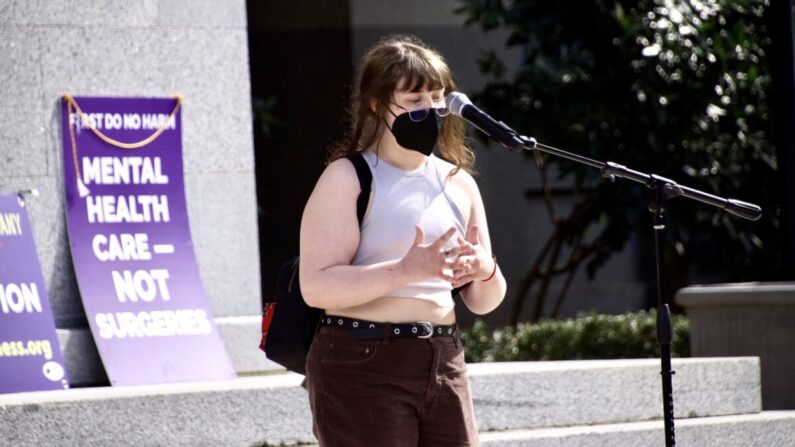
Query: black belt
[(371, 330)]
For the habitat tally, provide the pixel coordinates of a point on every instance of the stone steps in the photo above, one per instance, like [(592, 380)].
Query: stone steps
[(247, 411), (532, 397), (766, 429), (541, 394)]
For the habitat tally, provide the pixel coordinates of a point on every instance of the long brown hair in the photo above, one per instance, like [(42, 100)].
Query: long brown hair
[(395, 59)]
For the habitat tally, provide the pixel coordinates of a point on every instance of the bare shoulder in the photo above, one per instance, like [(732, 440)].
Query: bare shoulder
[(334, 192), (329, 231), (340, 170), (338, 179)]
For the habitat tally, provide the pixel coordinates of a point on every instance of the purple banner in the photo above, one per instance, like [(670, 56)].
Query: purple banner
[(131, 244), (30, 356)]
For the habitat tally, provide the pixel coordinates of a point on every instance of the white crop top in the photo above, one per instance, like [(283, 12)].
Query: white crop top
[(400, 199)]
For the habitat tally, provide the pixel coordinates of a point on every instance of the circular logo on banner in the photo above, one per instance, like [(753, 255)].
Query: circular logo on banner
[(53, 371)]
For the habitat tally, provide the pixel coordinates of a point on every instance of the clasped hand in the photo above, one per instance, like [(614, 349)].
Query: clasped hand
[(460, 264)]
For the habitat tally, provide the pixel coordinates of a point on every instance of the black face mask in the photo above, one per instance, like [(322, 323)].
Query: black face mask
[(418, 136)]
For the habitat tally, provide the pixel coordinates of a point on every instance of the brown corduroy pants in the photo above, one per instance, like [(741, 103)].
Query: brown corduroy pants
[(395, 392)]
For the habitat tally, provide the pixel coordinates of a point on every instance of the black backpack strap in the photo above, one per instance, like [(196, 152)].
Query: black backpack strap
[(365, 180)]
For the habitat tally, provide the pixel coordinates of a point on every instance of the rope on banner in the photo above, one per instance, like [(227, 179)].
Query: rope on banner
[(72, 106), (117, 143)]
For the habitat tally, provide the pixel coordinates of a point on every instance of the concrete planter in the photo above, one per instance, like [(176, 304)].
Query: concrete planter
[(747, 319)]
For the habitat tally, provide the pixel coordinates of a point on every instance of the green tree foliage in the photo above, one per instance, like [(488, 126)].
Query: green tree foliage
[(672, 87)]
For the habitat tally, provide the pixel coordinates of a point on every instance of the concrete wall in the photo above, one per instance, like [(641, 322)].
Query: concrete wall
[(142, 48)]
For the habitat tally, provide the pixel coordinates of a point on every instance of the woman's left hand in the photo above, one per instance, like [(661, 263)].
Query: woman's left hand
[(473, 263)]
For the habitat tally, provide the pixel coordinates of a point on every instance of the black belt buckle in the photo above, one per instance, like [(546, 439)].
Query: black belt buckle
[(425, 325)]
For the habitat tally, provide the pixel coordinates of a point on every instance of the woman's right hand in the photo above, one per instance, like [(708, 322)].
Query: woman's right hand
[(425, 261)]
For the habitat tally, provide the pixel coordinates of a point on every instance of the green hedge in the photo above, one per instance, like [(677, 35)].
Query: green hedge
[(589, 336)]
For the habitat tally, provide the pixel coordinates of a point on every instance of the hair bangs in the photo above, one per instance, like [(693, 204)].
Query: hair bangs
[(420, 70)]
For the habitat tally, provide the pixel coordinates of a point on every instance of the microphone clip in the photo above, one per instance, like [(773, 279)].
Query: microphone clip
[(529, 143)]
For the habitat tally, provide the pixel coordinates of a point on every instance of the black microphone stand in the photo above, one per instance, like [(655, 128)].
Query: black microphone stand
[(662, 189)]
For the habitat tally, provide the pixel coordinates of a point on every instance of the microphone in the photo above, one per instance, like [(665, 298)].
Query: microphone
[(460, 105)]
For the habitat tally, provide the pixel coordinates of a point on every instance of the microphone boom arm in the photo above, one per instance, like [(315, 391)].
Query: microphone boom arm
[(612, 170), (460, 105)]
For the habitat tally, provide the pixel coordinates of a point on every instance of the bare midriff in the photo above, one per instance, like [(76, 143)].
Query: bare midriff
[(398, 310)]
